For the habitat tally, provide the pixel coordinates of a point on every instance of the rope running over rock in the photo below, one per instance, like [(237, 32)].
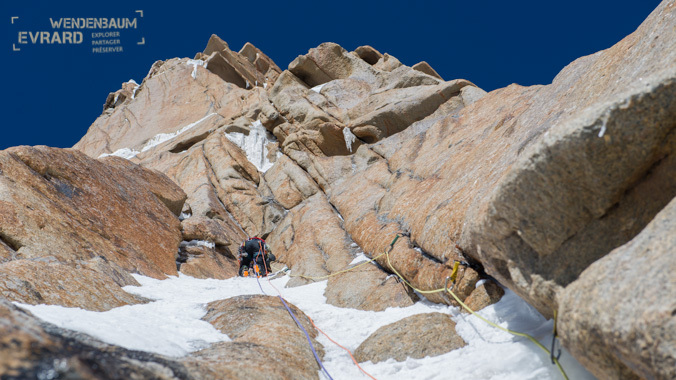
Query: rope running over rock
[(554, 358)]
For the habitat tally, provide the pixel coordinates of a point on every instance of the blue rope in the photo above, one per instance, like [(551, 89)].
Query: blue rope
[(307, 336), (259, 285)]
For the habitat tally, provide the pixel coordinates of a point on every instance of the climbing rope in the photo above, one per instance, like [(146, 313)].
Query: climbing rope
[(307, 336), (319, 278), (555, 334), (554, 358), (452, 277), (326, 335), (338, 344)]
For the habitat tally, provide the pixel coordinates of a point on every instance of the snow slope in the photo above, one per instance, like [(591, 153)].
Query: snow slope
[(171, 326)]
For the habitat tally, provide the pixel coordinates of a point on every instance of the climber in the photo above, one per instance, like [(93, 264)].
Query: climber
[(254, 252)]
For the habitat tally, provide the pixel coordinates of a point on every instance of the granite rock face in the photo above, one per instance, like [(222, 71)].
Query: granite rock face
[(62, 204), (597, 164), (343, 151), (73, 228), (534, 183), (312, 242), (249, 154), (333, 101), (619, 317), (181, 94)]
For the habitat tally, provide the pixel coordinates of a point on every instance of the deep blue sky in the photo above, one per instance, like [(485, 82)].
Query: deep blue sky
[(52, 94)]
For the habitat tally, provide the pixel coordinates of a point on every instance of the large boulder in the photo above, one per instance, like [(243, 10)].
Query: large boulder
[(212, 230), (368, 288), (416, 337), (61, 204), (202, 259), (90, 287), (266, 342), (209, 247), (486, 294), (73, 227), (619, 317), (31, 349)]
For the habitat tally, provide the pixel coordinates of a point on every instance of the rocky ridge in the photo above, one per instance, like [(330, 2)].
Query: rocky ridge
[(550, 190)]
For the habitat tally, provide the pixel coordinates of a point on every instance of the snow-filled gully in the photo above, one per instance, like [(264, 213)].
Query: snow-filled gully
[(171, 325)]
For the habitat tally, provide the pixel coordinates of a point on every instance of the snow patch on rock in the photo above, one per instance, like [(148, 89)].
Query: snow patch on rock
[(194, 63), (197, 243), (255, 145), (136, 86), (124, 153), (350, 138), (318, 88), (154, 141), (162, 137)]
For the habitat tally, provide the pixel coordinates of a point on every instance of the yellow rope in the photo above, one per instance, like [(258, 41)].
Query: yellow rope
[(352, 268), (555, 359), (339, 272), (387, 254), (453, 275)]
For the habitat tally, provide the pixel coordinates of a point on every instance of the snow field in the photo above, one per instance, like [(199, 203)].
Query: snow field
[(164, 326), (171, 326)]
